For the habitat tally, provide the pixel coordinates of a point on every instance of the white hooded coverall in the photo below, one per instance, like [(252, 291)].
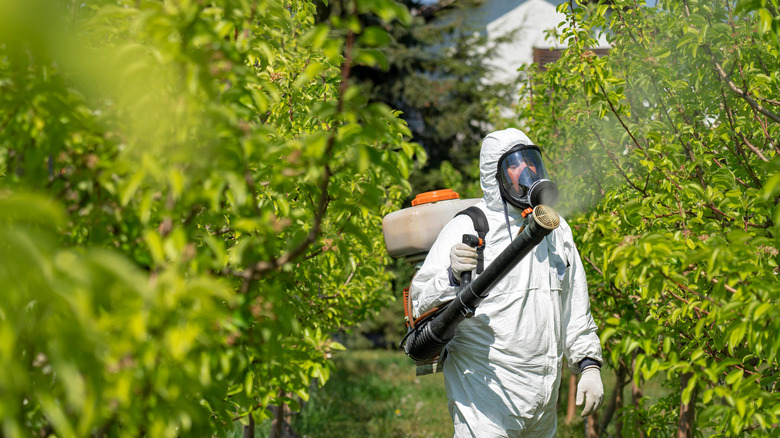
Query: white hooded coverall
[(503, 367)]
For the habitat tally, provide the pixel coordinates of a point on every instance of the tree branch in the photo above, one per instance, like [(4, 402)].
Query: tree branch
[(263, 267), (614, 161), (322, 206), (742, 183), (10, 117), (725, 286), (752, 147), (738, 91)]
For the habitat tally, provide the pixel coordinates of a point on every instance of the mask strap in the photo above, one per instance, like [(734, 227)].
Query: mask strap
[(506, 216)]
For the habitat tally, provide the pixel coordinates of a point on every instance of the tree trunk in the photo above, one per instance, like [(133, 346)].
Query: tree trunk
[(571, 405), (687, 410), (280, 425), (615, 402), (591, 425), (249, 430), (278, 421), (636, 394), (636, 398)]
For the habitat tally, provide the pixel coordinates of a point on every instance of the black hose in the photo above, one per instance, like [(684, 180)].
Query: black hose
[(429, 337)]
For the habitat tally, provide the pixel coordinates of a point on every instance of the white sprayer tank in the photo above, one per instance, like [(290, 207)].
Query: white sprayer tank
[(410, 232)]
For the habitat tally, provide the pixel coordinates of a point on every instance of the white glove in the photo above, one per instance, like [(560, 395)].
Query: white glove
[(590, 390), (463, 258)]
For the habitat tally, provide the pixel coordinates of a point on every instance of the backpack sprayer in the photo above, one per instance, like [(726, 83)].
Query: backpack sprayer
[(428, 337), (410, 232)]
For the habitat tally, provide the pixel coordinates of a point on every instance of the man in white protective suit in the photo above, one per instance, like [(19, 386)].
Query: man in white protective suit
[(503, 367)]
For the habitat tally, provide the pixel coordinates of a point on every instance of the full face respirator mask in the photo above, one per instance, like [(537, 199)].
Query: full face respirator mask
[(522, 179)]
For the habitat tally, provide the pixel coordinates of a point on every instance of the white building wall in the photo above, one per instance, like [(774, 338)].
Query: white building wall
[(530, 21)]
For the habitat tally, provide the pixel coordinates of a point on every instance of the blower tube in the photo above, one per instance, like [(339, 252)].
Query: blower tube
[(428, 338)]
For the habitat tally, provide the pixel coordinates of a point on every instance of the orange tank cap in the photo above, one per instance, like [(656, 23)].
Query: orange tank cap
[(435, 196)]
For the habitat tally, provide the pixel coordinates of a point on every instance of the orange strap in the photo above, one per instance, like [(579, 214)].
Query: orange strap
[(408, 308)]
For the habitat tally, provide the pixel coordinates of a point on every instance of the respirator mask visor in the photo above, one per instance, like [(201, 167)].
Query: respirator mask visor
[(523, 180)]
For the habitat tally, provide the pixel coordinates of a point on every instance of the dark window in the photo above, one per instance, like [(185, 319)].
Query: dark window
[(546, 55)]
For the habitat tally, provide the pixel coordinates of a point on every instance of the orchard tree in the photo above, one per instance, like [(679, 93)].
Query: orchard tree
[(191, 196), (436, 75), (667, 153)]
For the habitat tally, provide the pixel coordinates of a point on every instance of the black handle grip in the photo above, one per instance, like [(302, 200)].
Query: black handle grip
[(474, 242)]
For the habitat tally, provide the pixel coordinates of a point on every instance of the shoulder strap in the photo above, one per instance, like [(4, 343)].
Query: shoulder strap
[(481, 227)]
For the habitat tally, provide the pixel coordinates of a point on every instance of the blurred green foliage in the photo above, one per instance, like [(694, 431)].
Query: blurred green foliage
[(666, 150), (438, 76), (191, 198)]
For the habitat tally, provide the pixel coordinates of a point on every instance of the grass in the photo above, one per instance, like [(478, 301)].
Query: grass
[(375, 393)]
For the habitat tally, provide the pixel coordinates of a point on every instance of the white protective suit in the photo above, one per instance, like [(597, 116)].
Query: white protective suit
[(503, 366)]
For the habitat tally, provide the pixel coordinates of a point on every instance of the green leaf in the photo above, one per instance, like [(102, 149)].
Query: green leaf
[(316, 37), (737, 332), (25, 207), (249, 381), (734, 377), (687, 392), (744, 6), (771, 188), (764, 21), (374, 36), (131, 186), (371, 58), (155, 244)]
